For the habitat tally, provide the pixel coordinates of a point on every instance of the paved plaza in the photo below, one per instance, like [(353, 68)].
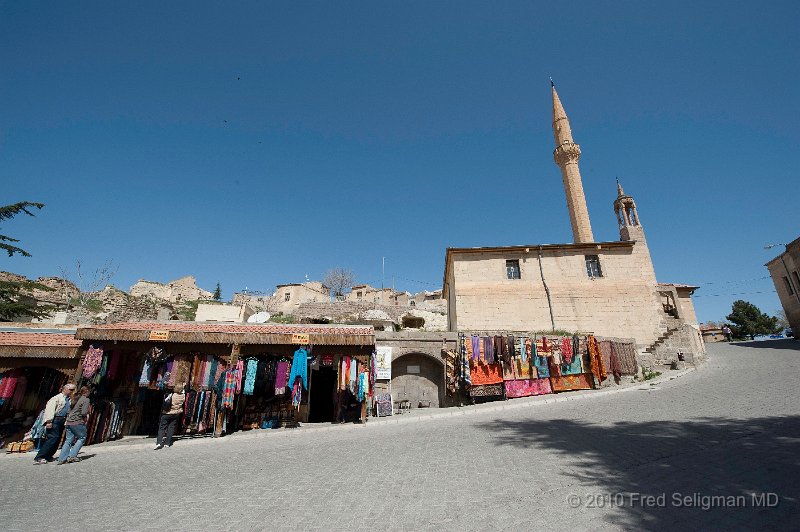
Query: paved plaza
[(731, 428)]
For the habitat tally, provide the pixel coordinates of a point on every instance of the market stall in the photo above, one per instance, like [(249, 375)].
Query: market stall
[(35, 363), (491, 365), (237, 377)]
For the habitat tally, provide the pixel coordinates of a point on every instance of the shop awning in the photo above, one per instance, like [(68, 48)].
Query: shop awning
[(38, 345), (211, 333)]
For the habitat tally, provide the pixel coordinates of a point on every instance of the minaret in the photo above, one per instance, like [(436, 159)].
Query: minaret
[(630, 228), (566, 156)]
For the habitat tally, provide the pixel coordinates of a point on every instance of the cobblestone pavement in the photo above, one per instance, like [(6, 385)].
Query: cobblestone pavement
[(730, 428)]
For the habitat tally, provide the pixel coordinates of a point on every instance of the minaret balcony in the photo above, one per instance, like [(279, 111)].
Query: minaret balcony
[(568, 152)]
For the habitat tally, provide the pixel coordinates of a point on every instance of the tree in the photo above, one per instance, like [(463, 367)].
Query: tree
[(338, 280), (89, 283), (747, 320), (15, 303), (8, 212), (217, 293), (783, 321)]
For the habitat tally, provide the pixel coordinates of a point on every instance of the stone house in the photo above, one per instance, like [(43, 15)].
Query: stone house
[(785, 272), (223, 312), (364, 293), (608, 288)]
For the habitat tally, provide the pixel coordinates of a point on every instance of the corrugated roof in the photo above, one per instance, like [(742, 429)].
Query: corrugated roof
[(231, 328), (38, 339), (191, 332)]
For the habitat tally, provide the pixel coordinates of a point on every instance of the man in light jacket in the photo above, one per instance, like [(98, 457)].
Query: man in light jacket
[(171, 411), (55, 414)]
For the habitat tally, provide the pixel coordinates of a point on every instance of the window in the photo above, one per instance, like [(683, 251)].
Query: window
[(593, 266), (788, 285), (287, 296), (412, 303), (359, 295), (512, 269), (796, 279)]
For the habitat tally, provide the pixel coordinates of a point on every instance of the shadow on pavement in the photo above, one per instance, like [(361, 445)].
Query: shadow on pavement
[(771, 344), (705, 456)]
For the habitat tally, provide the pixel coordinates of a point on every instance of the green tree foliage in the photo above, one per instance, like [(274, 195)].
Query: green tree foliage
[(217, 293), (8, 212), (15, 301), (747, 321)]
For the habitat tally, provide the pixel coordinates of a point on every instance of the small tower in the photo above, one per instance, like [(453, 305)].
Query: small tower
[(566, 156), (627, 217)]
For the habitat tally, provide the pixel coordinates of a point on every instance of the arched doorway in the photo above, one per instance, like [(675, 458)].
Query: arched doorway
[(418, 378)]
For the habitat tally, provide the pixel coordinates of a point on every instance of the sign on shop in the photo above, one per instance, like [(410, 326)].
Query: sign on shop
[(158, 336), (300, 339), (383, 363)]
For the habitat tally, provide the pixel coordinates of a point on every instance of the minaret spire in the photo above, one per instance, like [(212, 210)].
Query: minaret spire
[(566, 156)]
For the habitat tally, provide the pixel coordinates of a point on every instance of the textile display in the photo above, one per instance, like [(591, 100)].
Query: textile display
[(566, 351), (614, 365), (565, 383), (229, 390), (464, 369), (239, 372), (144, 380), (250, 379), (508, 370), (300, 367), (92, 361), (105, 421), (598, 368), (573, 368), (482, 374), (114, 363), (475, 342), (626, 356), (451, 377), (488, 349), (9, 384), (281, 377), (543, 346), (523, 370), (527, 387), (486, 390), (383, 404), (542, 368)]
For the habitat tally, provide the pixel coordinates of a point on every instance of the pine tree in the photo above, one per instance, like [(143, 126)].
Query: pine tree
[(217, 293), (14, 303), (747, 321), (8, 212)]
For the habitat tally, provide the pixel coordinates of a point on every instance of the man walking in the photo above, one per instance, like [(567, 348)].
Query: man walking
[(55, 414)]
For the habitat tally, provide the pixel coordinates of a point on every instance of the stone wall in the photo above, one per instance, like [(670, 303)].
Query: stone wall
[(423, 349), (684, 338)]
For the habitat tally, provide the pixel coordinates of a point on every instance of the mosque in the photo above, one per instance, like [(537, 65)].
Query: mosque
[(608, 288)]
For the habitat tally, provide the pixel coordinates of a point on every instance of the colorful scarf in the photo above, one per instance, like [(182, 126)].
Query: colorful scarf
[(475, 342), (300, 367), (92, 361), (250, 379), (230, 388)]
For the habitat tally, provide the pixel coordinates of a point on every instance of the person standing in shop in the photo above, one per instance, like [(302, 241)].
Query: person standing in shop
[(76, 427), (171, 411), (55, 414)]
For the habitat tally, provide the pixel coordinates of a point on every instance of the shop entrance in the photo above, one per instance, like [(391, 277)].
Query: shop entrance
[(322, 402)]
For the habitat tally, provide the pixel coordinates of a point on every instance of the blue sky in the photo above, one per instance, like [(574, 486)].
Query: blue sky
[(255, 143)]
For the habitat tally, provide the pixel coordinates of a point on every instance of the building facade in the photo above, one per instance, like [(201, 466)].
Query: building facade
[(608, 288), (785, 272)]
